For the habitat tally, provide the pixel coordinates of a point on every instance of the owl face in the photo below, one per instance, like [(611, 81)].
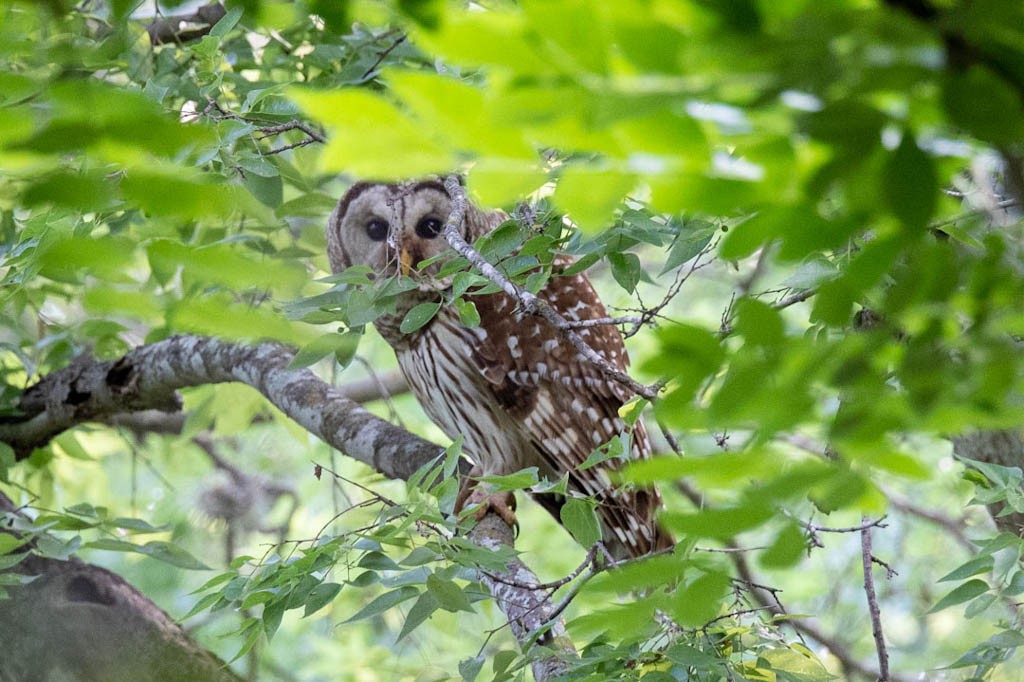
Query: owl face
[(390, 228)]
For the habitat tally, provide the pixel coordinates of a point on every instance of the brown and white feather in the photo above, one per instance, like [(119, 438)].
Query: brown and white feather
[(514, 387)]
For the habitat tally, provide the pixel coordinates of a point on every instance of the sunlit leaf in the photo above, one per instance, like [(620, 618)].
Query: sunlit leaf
[(969, 590), (419, 316), (372, 137), (590, 196), (579, 519)]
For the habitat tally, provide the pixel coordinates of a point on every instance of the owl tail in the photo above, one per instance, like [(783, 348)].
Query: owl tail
[(628, 528)]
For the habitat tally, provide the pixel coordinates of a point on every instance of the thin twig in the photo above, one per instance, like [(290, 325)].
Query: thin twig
[(270, 131), (873, 610), (554, 584), (794, 299), (527, 301), (382, 55)]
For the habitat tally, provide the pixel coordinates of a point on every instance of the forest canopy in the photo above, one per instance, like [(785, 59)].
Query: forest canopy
[(805, 217)]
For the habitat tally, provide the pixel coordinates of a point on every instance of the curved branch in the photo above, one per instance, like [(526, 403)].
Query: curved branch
[(147, 377), (70, 619)]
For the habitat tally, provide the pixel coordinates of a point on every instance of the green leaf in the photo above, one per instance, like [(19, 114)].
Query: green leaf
[(104, 257), (7, 460), (626, 269), (983, 104), (52, 548), (722, 523), (633, 409), (787, 549), (384, 602), (450, 596), (420, 556), (371, 137), (173, 555), (76, 191), (694, 235), (320, 596), (469, 668), (419, 316), (468, 314), (700, 601), (519, 480), (138, 525), (795, 665), (590, 195), (225, 263), (420, 612), (9, 543), (981, 564), (269, 191), (226, 23), (251, 631), (272, 614), (181, 194), (203, 604), (969, 590), (1016, 584), (980, 605), (758, 322), (343, 346), (910, 184), (218, 316), (580, 520), (462, 282)]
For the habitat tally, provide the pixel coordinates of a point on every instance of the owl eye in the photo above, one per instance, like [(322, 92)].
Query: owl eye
[(428, 228), (377, 229)]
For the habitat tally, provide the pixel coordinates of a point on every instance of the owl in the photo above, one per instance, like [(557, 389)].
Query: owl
[(513, 387)]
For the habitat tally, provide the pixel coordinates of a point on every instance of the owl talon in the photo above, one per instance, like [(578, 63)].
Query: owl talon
[(481, 502)]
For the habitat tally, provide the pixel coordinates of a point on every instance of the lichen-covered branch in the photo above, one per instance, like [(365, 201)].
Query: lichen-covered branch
[(147, 378)]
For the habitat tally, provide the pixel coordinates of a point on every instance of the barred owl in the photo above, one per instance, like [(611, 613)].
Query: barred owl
[(515, 389)]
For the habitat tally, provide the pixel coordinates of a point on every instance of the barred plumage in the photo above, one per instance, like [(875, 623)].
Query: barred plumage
[(513, 387)]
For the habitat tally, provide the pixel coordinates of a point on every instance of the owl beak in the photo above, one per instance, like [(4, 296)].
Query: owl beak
[(405, 258)]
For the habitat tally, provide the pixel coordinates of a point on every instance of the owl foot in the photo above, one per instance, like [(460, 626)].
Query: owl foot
[(471, 496)]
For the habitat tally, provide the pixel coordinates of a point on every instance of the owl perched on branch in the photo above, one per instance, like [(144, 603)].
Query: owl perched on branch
[(514, 387)]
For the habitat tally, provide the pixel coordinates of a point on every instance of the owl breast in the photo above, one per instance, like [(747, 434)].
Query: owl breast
[(442, 372)]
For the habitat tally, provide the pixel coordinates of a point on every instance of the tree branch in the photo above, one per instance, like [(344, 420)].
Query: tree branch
[(73, 620), (186, 27), (869, 590), (147, 377)]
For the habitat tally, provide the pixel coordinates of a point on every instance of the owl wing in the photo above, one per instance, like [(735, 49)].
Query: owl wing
[(566, 405)]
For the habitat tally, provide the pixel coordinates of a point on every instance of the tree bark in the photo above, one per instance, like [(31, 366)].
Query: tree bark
[(147, 377), (76, 621), (1005, 448)]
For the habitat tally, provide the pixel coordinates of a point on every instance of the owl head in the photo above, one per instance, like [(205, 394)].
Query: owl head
[(392, 228)]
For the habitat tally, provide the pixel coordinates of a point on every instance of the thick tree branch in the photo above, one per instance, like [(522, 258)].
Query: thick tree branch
[(186, 27), (79, 621), (147, 377)]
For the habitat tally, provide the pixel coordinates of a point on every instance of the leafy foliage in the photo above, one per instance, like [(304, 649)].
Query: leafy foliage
[(832, 189)]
